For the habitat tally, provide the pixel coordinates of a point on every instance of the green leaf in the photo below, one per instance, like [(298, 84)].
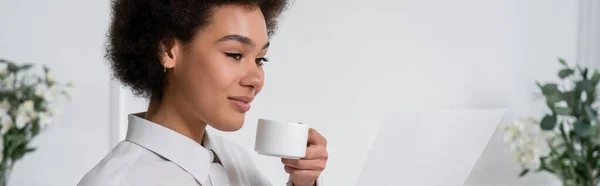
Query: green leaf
[(18, 147), (596, 140), (28, 150), (595, 77), (11, 67), (35, 130), (562, 110), (554, 97), (539, 85), (576, 157), (590, 113), (569, 97), (548, 122), (584, 73), (550, 88), (562, 61), (26, 66), (582, 129), (584, 85), (569, 182), (523, 173), (565, 73)]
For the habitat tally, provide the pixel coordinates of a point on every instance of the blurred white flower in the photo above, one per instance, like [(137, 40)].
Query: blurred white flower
[(567, 86), (527, 141), (1, 148), (24, 114), (4, 108), (6, 83), (72, 84), (3, 70), (577, 147), (7, 124), (22, 120), (3, 73), (45, 92), (542, 148), (50, 77), (45, 119), (511, 132), (40, 89), (17, 112), (530, 161), (26, 107), (568, 162), (53, 111)]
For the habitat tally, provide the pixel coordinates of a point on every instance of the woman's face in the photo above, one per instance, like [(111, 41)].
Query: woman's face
[(216, 78)]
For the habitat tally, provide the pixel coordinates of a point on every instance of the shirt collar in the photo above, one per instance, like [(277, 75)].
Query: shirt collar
[(177, 148)]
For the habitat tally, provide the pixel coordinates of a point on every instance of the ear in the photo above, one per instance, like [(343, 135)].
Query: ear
[(170, 50)]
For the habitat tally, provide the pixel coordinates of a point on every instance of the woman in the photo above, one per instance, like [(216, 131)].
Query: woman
[(200, 63)]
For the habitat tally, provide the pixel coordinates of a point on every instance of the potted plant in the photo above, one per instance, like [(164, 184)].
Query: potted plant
[(566, 140), (27, 106)]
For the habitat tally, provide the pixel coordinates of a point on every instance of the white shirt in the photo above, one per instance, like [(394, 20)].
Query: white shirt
[(153, 155)]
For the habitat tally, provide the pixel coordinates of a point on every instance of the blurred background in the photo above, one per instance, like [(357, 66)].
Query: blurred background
[(336, 65)]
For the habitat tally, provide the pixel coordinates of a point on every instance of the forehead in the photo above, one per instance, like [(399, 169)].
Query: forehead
[(237, 19)]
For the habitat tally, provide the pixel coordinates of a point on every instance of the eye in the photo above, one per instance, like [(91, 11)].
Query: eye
[(260, 61), (236, 56)]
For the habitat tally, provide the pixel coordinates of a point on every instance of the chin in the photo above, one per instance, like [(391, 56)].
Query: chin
[(230, 124)]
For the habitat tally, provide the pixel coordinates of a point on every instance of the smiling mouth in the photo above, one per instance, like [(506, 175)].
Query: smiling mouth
[(242, 103)]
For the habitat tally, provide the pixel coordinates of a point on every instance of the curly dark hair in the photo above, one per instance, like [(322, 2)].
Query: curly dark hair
[(139, 26)]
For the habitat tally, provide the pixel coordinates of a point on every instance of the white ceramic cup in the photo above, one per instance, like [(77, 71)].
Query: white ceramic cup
[(281, 139)]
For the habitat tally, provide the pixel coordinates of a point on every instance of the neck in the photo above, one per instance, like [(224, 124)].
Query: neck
[(165, 112)]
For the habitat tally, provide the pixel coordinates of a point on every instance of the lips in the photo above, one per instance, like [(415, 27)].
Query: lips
[(242, 103)]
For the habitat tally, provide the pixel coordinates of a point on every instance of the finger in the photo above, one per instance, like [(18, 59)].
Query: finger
[(304, 164), (289, 169), (315, 138), (316, 152), (301, 174)]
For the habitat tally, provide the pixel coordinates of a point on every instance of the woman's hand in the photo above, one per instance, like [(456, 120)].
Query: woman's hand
[(305, 171)]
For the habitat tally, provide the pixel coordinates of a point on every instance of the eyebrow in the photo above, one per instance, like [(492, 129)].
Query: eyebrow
[(242, 39)]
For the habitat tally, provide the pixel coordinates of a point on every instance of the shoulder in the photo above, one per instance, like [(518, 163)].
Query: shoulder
[(113, 166), (130, 165)]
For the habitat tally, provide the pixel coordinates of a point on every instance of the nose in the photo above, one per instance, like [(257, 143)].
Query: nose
[(252, 75)]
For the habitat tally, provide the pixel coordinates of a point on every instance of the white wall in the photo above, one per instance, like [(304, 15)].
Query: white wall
[(336, 65), (68, 36), (588, 48)]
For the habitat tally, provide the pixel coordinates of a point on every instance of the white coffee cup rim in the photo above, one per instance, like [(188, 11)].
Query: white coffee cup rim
[(288, 122)]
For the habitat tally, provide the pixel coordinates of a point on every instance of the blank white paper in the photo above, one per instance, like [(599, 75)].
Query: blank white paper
[(428, 147)]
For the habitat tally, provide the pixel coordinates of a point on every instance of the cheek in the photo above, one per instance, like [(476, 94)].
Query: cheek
[(208, 75), (262, 80)]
